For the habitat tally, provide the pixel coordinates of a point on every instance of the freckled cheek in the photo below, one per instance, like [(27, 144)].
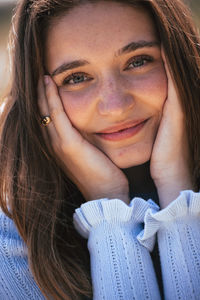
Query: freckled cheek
[(79, 106), (150, 88)]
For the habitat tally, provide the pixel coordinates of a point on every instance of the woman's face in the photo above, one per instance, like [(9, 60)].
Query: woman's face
[(105, 59)]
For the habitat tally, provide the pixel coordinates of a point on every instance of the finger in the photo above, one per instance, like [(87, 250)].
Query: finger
[(174, 106), (42, 103), (172, 89), (62, 124), (49, 132)]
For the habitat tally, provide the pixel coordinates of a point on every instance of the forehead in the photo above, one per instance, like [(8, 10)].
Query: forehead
[(90, 28)]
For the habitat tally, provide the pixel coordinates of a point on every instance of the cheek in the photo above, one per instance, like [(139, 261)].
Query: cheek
[(78, 106), (150, 88), (156, 86)]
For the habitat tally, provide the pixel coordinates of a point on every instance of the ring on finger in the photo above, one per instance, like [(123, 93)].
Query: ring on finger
[(46, 120)]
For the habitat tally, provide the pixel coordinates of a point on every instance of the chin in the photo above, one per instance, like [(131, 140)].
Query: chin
[(131, 160)]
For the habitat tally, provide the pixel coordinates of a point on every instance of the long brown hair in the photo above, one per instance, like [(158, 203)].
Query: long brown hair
[(41, 198)]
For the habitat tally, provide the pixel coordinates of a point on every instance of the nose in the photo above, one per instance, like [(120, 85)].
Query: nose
[(114, 99)]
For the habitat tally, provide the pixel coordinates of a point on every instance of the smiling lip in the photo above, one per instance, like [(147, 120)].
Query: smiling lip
[(121, 132)]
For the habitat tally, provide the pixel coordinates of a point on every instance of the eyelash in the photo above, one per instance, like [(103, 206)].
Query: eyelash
[(140, 58), (146, 58)]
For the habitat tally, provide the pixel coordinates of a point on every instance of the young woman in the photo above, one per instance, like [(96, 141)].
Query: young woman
[(102, 115)]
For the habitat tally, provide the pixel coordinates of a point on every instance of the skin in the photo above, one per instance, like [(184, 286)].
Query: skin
[(118, 91), (113, 89)]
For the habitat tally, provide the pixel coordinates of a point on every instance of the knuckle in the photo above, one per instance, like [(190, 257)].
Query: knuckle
[(66, 147), (47, 93), (63, 147), (55, 112)]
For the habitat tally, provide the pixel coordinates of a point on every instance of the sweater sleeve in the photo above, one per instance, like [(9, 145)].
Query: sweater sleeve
[(16, 280), (178, 230), (121, 268)]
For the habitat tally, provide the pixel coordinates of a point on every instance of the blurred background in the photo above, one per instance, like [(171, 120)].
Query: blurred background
[(6, 12)]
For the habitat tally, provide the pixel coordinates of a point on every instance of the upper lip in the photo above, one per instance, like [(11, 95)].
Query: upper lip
[(121, 126)]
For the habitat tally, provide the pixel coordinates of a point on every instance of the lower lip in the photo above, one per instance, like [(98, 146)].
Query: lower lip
[(123, 134)]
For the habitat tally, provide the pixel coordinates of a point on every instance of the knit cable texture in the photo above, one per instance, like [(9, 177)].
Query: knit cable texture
[(178, 230), (120, 237), (16, 280), (121, 268)]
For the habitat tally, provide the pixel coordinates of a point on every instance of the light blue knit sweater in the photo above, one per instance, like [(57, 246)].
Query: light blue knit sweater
[(120, 238)]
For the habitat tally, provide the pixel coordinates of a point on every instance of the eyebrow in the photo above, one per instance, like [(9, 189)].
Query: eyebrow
[(133, 46)]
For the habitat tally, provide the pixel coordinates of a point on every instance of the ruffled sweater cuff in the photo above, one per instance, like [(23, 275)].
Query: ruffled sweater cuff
[(186, 206), (93, 213)]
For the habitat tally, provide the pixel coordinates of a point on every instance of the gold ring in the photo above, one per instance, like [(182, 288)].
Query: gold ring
[(45, 120)]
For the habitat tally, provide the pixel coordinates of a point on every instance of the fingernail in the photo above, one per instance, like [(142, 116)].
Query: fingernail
[(46, 79)]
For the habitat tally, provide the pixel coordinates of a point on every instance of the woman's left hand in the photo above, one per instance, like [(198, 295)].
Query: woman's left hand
[(169, 163)]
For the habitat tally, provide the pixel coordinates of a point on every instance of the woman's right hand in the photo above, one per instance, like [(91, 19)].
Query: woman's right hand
[(95, 175)]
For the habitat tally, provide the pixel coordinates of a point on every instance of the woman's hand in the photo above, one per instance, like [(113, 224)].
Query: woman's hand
[(90, 169), (169, 163)]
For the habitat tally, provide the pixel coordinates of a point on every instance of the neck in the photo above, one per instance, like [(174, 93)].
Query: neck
[(140, 181)]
